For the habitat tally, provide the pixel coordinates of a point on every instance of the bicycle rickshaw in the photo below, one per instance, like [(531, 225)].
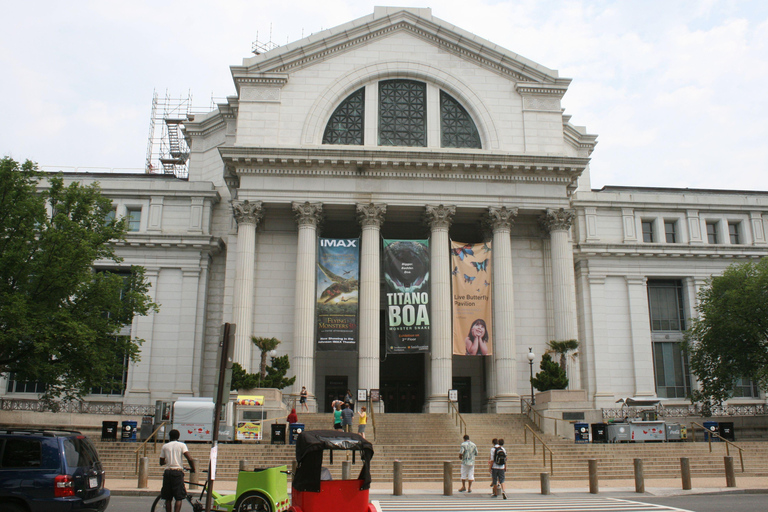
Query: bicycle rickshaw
[(311, 494)]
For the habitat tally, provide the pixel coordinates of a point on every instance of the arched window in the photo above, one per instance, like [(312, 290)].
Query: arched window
[(403, 109), (346, 124)]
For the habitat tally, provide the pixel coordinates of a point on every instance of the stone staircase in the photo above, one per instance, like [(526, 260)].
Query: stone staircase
[(422, 442)]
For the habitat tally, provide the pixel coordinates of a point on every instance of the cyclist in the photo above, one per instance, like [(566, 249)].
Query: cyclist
[(173, 476)]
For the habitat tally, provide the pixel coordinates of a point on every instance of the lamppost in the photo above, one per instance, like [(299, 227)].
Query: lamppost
[(531, 357)]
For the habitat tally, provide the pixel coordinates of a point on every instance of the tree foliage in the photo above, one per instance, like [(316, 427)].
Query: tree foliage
[(60, 320), (729, 339), (562, 348), (275, 376), (242, 379), (551, 375), (265, 345)]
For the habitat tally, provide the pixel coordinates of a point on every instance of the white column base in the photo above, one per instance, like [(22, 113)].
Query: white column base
[(506, 404), (437, 404)]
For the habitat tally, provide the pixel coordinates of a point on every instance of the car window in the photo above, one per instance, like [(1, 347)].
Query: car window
[(79, 452), (22, 453)]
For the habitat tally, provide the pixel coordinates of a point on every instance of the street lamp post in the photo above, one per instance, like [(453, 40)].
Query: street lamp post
[(531, 357)]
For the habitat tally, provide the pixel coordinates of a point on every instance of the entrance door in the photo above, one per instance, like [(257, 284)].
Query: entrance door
[(464, 387), (402, 383), (335, 389)]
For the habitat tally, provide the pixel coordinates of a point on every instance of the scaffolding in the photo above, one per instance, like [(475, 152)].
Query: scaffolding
[(167, 150)]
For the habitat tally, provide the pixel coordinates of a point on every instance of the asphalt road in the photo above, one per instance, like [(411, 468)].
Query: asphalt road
[(576, 502)]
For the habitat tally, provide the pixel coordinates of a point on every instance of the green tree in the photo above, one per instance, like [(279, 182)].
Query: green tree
[(266, 345), (729, 339), (242, 379), (562, 348), (551, 375), (59, 320), (276, 373)]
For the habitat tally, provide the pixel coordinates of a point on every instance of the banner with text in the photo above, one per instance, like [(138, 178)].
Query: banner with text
[(338, 274), (472, 291), (405, 265)]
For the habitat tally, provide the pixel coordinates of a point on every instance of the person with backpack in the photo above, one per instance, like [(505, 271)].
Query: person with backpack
[(498, 464), (467, 454)]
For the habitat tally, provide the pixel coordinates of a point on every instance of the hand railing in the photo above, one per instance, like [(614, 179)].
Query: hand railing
[(153, 438), (544, 449), (535, 416), (456, 415), (711, 434), (371, 415)]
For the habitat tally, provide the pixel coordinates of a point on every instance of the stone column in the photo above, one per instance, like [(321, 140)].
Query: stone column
[(506, 398), (308, 216), (558, 222), (441, 361), (248, 215), (642, 346), (371, 217)]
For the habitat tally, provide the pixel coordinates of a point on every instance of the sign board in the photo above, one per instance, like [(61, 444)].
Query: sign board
[(248, 431), (250, 400), (453, 395), (362, 395), (375, 396)]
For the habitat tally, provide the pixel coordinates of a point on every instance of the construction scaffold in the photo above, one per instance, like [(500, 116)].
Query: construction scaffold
[(167, 150)]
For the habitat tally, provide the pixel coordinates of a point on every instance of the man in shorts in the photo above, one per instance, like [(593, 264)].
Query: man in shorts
[(173, 476), (498, 465), (467, 454)]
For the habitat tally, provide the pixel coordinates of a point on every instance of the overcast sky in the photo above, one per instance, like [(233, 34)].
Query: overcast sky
[(675, 90)]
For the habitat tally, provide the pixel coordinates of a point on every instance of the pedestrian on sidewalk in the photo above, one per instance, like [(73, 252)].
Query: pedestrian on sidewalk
[(363, 422), (173, 476), (346, 418), (303, 398), (494, 444), (292, 418), (337, 416), (467, 454), (498, 468)]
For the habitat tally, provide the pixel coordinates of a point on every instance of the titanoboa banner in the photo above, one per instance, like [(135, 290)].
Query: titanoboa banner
[(338, 274), (472, 291), (406, 277)]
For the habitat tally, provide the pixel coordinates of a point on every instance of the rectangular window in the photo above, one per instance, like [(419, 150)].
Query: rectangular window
[(22, 453), (666, 307), (665, 301), (134, 219), (110, 216), (745, 388), (670, 231), (23, 386), (712, 232), (671, 368), (648, 231), (733, 233), (118, 381)]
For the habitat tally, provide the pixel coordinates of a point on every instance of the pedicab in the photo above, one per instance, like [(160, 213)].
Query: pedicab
[(310, 493)]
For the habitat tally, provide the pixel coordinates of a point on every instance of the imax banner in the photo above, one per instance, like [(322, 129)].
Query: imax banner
[(472, 325), (338, 273), (406, 280)]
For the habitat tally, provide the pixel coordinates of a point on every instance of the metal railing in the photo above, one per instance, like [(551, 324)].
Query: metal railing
[(371, 415), (545, 448), (456, 415), (535, 416), (153, 438), (711, 434), (683, 411), (82, 407)]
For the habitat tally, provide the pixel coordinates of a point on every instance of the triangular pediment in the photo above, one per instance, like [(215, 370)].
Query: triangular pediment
[(384, 22)]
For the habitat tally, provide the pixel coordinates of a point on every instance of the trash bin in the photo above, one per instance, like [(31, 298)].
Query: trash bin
[(129, 432), (618, 433), (674, 431), (581, 432), (278, 433), (711, 426), (147, 424), (726, 430), (109, 431), (599, 432), (296, 429)]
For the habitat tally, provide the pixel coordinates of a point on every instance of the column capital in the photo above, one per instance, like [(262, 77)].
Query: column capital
[(557, 220), (371, 214), (440, 216), (247, 212), (308, 213), (501, 218)]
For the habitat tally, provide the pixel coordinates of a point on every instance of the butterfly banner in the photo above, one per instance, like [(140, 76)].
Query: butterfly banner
[(472, 289), (405, 265), (338, 285)]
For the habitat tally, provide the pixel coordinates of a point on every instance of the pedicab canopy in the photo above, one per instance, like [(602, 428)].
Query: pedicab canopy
[(310, 446)]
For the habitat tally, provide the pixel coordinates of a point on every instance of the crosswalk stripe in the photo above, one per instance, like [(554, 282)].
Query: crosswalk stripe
[(544, 504)]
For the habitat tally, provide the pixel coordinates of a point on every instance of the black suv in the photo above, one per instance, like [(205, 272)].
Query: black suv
[(49, 471)]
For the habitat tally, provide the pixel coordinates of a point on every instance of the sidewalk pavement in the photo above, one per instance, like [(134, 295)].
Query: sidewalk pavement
[(380, 490)]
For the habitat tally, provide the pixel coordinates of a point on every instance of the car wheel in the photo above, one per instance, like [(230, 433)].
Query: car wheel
[(12, 507), (253, 502)]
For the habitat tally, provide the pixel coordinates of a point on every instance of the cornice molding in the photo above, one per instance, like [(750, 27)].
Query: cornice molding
[(209, 244), (587, 251)]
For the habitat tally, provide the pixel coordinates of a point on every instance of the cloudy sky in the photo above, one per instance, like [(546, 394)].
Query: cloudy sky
[(675, 90)]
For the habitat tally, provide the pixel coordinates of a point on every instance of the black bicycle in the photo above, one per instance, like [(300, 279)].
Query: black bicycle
[(194, 504)]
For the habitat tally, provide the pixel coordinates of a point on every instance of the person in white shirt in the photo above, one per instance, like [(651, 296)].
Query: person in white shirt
[(498, 465), (173, 476)]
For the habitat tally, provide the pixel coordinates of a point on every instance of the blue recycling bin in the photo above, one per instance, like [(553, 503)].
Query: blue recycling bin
[(711, 426), (128, 434), (296, 429), (581, 432)]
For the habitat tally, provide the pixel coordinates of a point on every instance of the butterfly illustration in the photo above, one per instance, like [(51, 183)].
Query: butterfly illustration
[(486, 247), (481, 265), (455, 271), (487, 283), (463, 251), (468, 279)]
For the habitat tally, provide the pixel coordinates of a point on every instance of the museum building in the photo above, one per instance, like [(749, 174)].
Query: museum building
[(401, 126)]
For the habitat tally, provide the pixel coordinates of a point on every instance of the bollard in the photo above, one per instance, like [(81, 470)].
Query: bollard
[(143, 473), (447, 478), (592, 476), (243, 464), (346, 467), (397, 479), (639, 476), (544, 483), (730, 476), (685, 473)]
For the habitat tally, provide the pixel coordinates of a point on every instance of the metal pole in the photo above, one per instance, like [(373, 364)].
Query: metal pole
[(447, 478), (685, 472), (639, 476), (143, 473), (533, 397), (730, 476), (397, 479), (592, 476)]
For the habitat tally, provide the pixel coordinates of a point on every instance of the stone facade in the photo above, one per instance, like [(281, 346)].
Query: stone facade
[(237, 241)]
